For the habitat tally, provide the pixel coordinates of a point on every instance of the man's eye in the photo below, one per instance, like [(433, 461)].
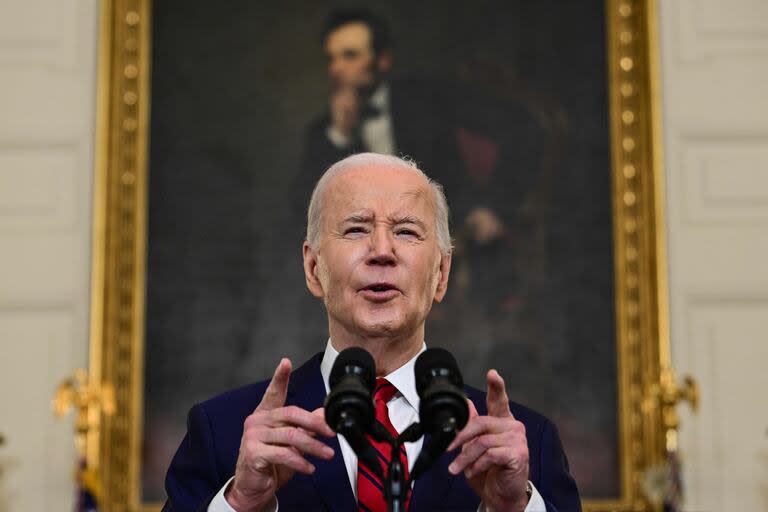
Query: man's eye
[(407, 232), (354, 230)]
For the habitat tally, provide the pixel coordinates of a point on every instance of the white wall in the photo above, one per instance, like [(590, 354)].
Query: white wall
[(714, 57), (47, 107)]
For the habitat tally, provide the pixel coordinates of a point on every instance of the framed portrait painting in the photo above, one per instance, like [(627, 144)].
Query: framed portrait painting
[(537, 117)]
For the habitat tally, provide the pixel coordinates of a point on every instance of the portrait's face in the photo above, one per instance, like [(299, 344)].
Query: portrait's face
[(351, 59), (378, 266)]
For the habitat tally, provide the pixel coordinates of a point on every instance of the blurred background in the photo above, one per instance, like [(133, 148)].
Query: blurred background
[(714, 67)]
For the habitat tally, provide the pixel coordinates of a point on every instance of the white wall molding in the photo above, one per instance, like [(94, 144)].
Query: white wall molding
[(40, 342), (40, 34), (38, 189), (714, 56), (47, 113), (712, 29), (725, 178), (725, 441)]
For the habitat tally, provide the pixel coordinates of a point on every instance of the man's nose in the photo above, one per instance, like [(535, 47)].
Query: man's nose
[(382, 247)]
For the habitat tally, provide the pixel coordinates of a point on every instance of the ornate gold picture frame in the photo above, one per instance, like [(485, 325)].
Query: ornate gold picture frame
[(120, 238)]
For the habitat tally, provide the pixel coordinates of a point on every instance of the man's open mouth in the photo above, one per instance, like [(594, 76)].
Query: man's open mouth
[(379, 291), (380, 287)]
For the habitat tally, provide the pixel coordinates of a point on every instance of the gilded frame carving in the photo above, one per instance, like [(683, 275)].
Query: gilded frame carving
[(118, 283)]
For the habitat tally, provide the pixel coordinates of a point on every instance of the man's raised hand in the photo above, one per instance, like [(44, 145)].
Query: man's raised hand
[(345, 110), (275, 440), (494, 452)]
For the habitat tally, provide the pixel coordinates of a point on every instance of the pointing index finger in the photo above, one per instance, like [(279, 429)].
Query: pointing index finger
[(274, 396), (497, 399)]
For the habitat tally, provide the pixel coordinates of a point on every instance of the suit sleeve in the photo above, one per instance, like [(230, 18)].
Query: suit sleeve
[(556, 486), (193, 479)]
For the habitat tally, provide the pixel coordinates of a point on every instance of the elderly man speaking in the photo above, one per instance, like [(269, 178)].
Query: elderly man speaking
[(377, 253)]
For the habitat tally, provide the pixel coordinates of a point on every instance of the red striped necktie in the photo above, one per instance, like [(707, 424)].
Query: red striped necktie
[(370, 489)]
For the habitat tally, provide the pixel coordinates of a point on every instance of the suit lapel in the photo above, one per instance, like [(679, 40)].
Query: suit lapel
[(307, 390)]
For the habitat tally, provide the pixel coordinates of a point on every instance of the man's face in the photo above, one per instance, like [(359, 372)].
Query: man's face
[(351, 59), (378, 266)]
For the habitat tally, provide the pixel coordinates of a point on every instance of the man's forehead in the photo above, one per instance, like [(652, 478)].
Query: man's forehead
[(355, 33), (382, 191), (384, 201), (379, 180)]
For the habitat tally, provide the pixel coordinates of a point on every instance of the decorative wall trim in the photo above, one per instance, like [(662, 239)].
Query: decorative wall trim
[(38, 186), (725, 179), (53, 42), (40, 341), (720, 30), (713, 348)]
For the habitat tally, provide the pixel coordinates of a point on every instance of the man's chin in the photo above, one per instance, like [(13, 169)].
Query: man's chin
[(381, 327)]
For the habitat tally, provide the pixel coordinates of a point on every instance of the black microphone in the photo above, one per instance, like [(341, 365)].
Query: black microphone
[(443, 410), (349, 408)]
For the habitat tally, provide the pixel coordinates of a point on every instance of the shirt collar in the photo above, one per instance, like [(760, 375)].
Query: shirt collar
[(402, 378)]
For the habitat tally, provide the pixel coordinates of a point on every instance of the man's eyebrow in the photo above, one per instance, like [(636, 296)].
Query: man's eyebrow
[(408, 219), (359, 217)]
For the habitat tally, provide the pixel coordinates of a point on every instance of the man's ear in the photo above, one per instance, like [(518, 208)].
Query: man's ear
[(384, 61), (442, 278), (310, 271)]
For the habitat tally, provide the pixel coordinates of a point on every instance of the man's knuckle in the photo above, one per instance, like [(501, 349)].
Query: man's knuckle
[(250, 449), (255, 429), (250, 421), (510, 437), (291, 413), (256, 418), (291, 435)]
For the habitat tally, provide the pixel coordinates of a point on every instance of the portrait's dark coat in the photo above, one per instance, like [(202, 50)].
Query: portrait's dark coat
[(423, 130), (207, 456)]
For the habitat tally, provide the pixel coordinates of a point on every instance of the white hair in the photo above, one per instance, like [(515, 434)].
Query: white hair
[(317, 202)]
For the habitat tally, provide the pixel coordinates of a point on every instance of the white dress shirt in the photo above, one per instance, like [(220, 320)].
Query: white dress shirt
[(403, 410), (376, 132)]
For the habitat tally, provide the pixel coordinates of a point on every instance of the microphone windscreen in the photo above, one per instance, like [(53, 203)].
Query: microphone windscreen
[(435, 362), (355, 360)]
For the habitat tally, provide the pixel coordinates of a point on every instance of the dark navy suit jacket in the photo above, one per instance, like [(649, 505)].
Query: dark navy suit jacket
[(207, 456)]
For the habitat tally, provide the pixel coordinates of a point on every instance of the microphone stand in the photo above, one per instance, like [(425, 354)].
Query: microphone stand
[(396, 485)]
